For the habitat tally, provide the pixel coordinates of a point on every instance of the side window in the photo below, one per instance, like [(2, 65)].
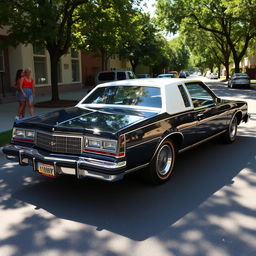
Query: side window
[(121, 76), (184, 96), (200, 96), (130, 75)]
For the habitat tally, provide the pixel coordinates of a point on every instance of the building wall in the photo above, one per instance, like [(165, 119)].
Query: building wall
[(22, 57), (142, 69), (6, 89), (116, 63), (91, 65)]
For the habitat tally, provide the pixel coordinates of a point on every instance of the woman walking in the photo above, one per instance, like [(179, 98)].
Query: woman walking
[(27, 92)]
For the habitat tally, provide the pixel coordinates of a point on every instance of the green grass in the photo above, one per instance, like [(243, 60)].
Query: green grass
[(253, 81), (5, 137)]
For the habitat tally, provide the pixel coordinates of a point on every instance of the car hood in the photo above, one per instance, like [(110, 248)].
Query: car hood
[(101, 120)]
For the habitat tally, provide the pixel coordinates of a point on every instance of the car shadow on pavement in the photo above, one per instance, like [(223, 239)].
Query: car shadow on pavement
[(134, 209)]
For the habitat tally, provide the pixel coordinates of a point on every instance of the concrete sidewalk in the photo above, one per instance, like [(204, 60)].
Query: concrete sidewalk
[(8, 111)]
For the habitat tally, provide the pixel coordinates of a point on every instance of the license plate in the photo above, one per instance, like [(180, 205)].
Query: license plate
[(46, 169)]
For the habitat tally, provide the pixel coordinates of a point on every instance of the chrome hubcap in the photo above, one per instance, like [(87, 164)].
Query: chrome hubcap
[(164, 160), (233, 129)]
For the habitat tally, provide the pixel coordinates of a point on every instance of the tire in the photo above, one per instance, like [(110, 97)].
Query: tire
[(162, 165), (230, 135)]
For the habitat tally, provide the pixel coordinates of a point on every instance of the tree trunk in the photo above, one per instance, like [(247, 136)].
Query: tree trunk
[(227, 71), (218, 71), (54, 75), (102, 52), (237, 63)]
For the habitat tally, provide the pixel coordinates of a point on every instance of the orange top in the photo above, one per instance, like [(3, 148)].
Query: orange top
[(27, 84)]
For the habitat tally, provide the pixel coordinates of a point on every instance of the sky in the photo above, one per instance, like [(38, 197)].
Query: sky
[(148, 6)]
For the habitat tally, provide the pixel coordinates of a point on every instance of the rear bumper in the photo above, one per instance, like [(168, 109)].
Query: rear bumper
[(65, 164), (238, 82)]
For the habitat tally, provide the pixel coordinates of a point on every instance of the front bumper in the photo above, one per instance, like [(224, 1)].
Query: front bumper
[(65, 164)]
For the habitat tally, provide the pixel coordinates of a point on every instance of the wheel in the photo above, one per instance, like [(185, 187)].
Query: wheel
[(230, 135), (162, 164)]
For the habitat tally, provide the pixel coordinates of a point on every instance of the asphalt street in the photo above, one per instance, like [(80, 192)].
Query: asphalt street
[(208, 208)]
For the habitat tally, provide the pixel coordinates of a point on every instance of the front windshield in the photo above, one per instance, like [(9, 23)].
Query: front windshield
[(126, 95)]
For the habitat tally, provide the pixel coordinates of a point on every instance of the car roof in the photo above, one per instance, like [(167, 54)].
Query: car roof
[(154, 82)]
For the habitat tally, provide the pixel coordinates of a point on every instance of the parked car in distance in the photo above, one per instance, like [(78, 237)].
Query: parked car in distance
[(125, 126), (174, 73), (142, 76), (113, 75), (165, 76), (239, 79), (214, 76), (182, 75)]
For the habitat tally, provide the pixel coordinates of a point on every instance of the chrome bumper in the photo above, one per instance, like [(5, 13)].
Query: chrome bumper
[(65, 164)]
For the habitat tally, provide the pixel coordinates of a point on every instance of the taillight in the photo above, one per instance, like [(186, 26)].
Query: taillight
[(121, 146)]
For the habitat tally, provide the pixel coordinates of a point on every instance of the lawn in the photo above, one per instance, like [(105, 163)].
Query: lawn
[(5, 137)]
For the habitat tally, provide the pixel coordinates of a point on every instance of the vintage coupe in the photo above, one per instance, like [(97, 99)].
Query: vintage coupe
[(125, 126)]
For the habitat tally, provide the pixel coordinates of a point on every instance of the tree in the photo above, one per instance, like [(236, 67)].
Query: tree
[(219, 17), (213, 48), (56, 25), (179, 54), (144, 47), (109, 26), (45, 23)]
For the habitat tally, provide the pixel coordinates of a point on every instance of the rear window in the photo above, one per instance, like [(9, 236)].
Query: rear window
[(121, 76), (126, 95), (241, 75), (106, 76)]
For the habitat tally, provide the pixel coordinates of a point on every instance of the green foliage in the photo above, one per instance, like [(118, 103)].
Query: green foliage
[(5, 137), (107, 25), (179, 54), (233, 21)]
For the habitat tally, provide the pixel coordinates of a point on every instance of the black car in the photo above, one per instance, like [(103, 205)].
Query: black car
[(125, 126)]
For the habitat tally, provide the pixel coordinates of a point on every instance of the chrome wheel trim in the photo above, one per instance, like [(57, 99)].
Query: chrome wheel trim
[(233, 128), (164, 160)]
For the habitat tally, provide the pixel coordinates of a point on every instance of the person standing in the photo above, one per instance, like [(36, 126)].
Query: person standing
[(16, 85), (27, 89)]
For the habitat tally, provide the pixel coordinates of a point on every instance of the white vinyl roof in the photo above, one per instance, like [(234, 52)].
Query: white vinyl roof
[(172, 101)]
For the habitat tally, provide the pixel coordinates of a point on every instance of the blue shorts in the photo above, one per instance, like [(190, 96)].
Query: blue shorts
[(28, 92)]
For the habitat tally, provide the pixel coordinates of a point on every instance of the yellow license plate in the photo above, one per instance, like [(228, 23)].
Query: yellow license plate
[(46, 169)]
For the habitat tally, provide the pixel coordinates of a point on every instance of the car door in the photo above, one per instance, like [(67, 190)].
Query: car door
[(210, 115)]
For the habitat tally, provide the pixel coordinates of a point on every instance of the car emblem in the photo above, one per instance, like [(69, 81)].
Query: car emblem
[(52, 143)]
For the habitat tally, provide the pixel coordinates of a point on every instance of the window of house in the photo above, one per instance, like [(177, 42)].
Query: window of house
[(40, 67), (75, 65), (1, 61)]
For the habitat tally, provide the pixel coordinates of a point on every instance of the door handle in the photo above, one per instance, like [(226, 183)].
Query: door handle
[(200, 116)]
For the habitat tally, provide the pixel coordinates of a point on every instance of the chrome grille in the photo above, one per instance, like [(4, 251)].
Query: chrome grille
[(59, 143)]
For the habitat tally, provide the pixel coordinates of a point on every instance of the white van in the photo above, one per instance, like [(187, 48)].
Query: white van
[(113, 75)]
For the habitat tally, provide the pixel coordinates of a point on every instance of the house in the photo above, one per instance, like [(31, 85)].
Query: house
[(37, 58)]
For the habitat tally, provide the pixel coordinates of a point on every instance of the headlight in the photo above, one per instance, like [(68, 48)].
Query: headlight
[(18, 132), (109, 145), (29, 134), (92, 143), (21, 134), (101, 146)]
